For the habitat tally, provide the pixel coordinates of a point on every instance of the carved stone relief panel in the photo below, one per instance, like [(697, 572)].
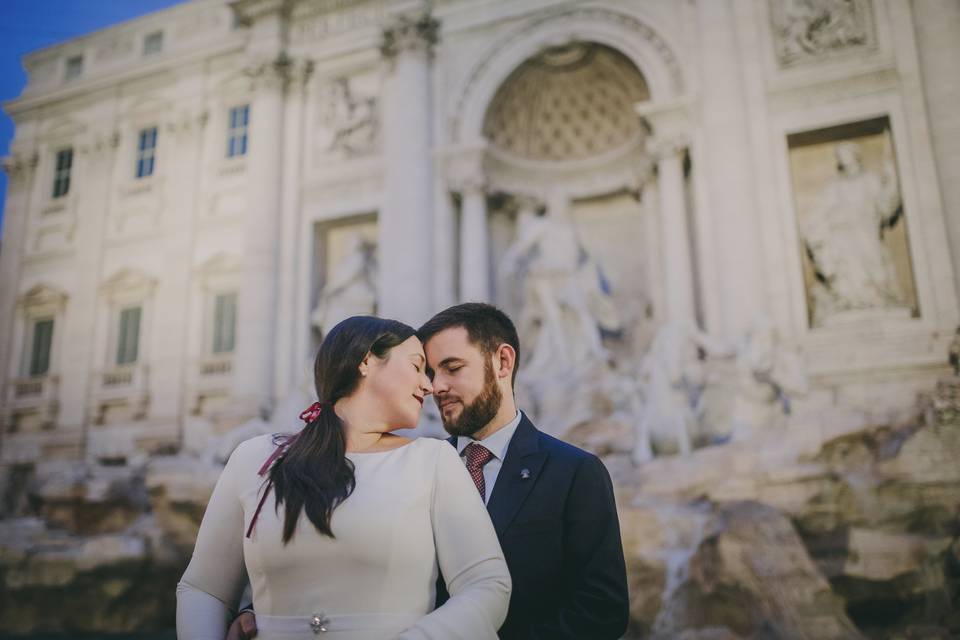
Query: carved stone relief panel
[(806, 30), (347, 116)]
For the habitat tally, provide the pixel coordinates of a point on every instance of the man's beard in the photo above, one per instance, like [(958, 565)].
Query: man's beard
[(480, 412)]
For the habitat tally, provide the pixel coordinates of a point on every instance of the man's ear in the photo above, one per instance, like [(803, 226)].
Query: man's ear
[(505, 361)]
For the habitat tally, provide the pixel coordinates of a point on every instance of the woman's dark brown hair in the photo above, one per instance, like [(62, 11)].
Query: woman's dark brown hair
[(315, 475)]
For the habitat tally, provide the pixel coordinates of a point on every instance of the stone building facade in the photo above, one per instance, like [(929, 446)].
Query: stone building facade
[(196, 194)]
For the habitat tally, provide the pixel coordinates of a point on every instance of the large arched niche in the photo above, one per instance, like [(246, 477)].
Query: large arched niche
[(561, 126), (643, 45), (567, 103)]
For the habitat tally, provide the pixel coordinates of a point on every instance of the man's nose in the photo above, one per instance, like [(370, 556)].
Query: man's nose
[(440, 384)]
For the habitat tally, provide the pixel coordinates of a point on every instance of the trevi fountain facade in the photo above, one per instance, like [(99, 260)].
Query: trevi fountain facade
[(728, 231)]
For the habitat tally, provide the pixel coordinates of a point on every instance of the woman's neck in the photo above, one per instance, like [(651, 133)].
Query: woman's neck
[(362, 428)]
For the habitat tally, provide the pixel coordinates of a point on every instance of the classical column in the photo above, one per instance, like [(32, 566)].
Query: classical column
[(444, 244), (257, 304), (731, 199), (674, 231), (405, 249), (169, 326), (474, 241), (21, 170), (290, 326)]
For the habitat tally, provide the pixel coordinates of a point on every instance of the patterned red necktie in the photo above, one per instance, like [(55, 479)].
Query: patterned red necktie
[(477, 455)]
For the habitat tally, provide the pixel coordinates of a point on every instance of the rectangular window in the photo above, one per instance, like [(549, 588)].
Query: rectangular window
[(40, 344), (224, 322), (74, 68), (153, 43), (146, 152), (61, 176), (237, 131), (128, 336)]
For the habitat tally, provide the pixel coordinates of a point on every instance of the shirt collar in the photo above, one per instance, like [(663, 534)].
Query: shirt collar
[(496, 442)]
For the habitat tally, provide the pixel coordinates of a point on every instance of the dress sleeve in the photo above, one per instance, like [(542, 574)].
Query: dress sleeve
[(470, 560), (210, 588)]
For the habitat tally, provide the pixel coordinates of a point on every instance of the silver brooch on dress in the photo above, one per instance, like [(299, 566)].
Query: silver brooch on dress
[(319, 623)]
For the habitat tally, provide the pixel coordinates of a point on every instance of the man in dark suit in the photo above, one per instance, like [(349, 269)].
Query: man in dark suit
[(551, 503)]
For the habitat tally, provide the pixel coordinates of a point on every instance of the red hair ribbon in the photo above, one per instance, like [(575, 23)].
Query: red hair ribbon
[(311, 413)]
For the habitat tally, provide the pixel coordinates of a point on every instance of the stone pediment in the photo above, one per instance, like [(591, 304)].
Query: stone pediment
[(131, 282), (43, 295), (64, 129), (234, 85), (148, 106), (218, 264)]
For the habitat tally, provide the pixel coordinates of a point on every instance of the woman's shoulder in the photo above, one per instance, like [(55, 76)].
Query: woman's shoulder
[(258, 448), (432, 445), (429, 451)]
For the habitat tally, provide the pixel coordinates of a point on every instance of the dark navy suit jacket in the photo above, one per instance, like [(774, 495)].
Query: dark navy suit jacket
[(554, 512)]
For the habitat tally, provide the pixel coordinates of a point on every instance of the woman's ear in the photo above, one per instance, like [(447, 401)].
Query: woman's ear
[(506, 360), (364, 366)]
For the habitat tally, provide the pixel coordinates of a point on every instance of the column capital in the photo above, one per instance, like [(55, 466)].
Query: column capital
[(666, 147), (19, 166), (463, 168), (300, 72), (410, 33), (668, 126), (270, 73)]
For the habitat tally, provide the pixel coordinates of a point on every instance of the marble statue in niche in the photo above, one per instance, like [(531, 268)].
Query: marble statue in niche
[(844, 234), (351, 121), (567, 306), (809, 29), (852, 224), (351, 288)]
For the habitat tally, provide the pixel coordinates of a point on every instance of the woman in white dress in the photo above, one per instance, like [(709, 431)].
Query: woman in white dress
[(341, 529)]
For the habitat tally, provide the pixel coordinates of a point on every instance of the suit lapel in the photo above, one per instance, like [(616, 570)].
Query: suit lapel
[(520, 471)]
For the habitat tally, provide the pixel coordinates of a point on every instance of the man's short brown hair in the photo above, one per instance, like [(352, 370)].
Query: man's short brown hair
[(487, 328)]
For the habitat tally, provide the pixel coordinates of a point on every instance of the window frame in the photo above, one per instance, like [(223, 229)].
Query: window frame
[(62, 174), (237, 131), (32, 359), (73, 67), (123, 343), (223, 330), (146, 156), (153, 43)]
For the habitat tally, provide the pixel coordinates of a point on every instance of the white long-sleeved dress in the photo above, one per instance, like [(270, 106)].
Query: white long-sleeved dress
[(414, 509)]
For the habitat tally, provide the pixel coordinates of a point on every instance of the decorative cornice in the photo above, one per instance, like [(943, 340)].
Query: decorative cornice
[(249, 11)]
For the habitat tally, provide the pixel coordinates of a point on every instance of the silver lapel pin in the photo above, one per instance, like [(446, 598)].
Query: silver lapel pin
[(525, 474)]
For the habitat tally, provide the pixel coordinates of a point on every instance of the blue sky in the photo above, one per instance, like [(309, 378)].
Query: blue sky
[(28, 25)]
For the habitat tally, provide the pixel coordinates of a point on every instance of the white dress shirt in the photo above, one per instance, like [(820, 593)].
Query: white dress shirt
[(497, 443)]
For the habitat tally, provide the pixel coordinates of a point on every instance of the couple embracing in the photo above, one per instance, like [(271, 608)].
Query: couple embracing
[(350, 532)]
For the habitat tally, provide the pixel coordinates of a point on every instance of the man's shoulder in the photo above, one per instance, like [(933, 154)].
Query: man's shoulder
[(561, 450)]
